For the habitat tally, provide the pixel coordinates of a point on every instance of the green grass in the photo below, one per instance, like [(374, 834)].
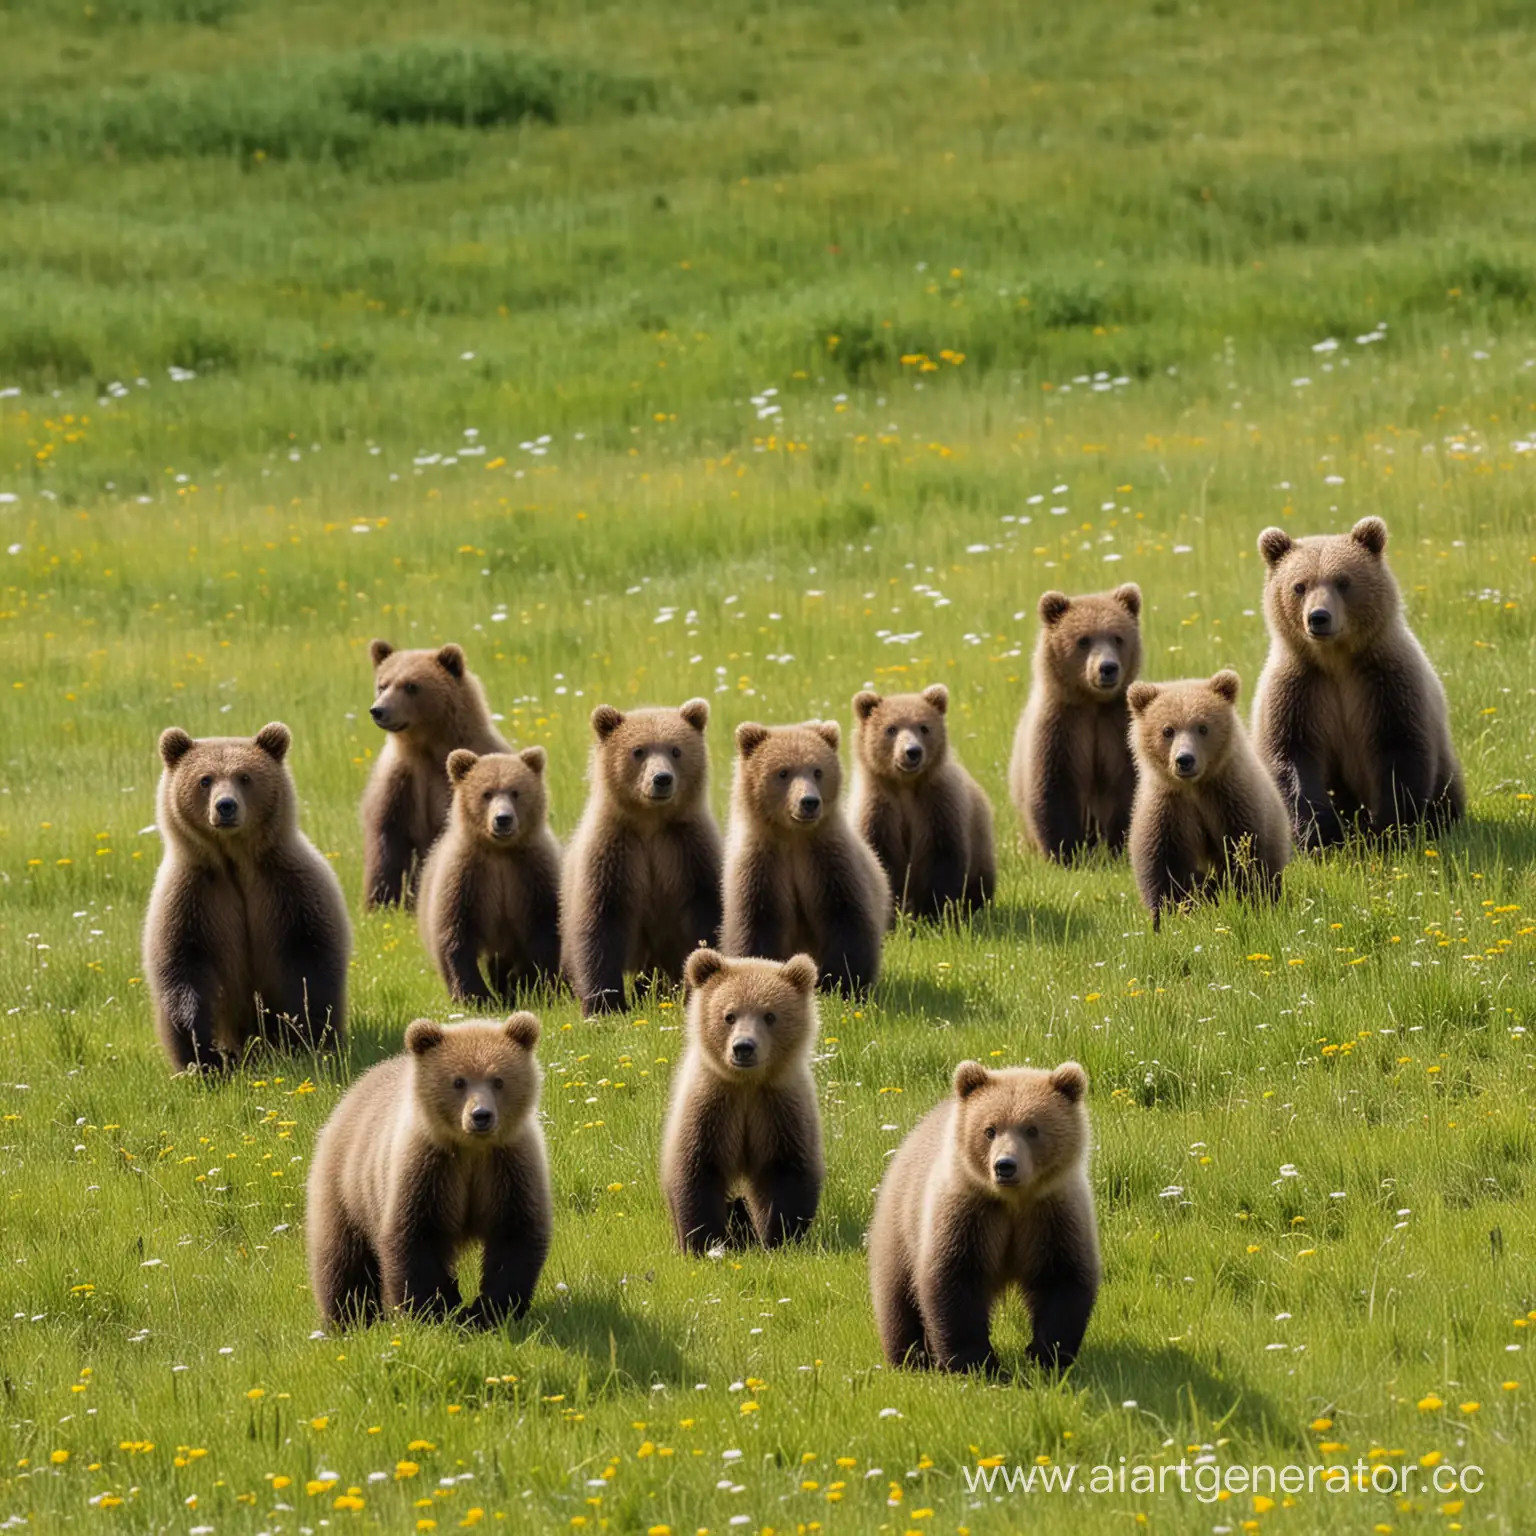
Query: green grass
[(376, 237)]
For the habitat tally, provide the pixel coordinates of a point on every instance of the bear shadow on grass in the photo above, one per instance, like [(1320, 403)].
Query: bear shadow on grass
[(1056, 925), (1169, 1385), (609, 1335)]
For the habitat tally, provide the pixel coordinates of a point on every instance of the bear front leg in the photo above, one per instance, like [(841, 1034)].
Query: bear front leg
[(782, 1200), (1059, 1311), (414, 1273), (387, 863), (1056, 809), (1315, 817), (461, 971), (344, 1273), (956, 1317), (700, 1210), (541, 939), (514, 1260), (184, 1020)]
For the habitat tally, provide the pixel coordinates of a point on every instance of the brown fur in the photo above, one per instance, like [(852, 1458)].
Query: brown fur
[(490, 889), (743, 1115), (246, 936), (951, 1234), (926, 818), (404, 1176), (430, 703), (642, 873), (1071, 777), (797, 876), (1219, 818), (1352, 722)]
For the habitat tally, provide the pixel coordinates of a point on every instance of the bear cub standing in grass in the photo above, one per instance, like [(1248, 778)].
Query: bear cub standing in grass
[(246, 936), (1071, 777), (798, 878), (1206, 808), (743, 1114), (1349, 715), (426, 1153), (926, 818), (989, 1191), (430, 703), (490, 888), (642, 873)]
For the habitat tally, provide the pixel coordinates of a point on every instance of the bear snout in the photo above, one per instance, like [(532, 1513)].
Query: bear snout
[(743, 1051), (502, 819), (479, 1119), (224, 811), (910, 753), (1005, 1169), (1186, 764), (383, 715), (807, 807), (1108, 674), (1320, 622)]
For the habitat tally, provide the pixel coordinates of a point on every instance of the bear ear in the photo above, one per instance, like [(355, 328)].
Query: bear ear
[(422, 1035), (1275, 544), (1129, 598), (606, 720), (522, 1029), (696, 713), (1070, 1081), (274, 740), (801, 972), (969, 1076), (1370, 533), (451, 660), (380, 650), (1225, 685), (1052, 606), (174, 745), (535, 757), (865, 704), (749, 737), (702, 964), (1139, 695), (829, 731), (937, 696), (459, 764)]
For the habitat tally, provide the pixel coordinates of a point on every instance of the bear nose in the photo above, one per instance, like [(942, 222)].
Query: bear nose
[(662, 780), (376, 713), (1108, 671), (913, 752), (1185, 762), (480, 1117), (743, 1052), (502, 823), (810, 804), (1319, 621), (227, 807), (1005, 1170)]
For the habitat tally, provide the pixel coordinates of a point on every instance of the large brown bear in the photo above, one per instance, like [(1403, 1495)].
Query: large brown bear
[(490, 889), (246, 936), (926, 818), (1207, 811), (426, 1153), (1071, 777), (743, 1133), (430, 703), (990, 1191), (1349, 715), (798, 878), (641, 887)]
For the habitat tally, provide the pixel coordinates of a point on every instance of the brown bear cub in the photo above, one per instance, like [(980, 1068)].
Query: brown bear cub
[(1349, 715), (642, 873), (991, 1190), (742, 1143), (926, 818), (798, 878), (1207, 810), (430, 703), (426, 1153), (1071, 777), (246, 936), (490, 889)]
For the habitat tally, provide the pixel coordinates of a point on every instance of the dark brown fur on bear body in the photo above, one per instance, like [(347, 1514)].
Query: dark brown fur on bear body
[(1207, 811), (430, 703), (1349, 714), (989, 1191), (1071, 777), (743, 1135), (246, 936), (912, 801), (641, 887), (426, 1153), (490, 889), (798, 878)]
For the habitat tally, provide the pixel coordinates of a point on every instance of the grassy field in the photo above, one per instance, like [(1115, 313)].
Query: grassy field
[(765, 352)]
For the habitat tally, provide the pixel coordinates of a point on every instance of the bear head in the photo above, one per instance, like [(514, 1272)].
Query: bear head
[(229, 791), (752, 1020), (1090, 647), (475, 1084), (419, 694), (903, 735), (499, 797), (1329, 593), (1184, 731), (788, 776), (1020, 1130), (652, 762)]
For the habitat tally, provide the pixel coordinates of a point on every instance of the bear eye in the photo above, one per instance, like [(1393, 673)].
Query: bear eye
[(1300, 588), (890, 730), (1167, 733), (245, 778), (638, 753), (924, 730), (730, 1018), (783, 773), (1205, 730), (412, 689), (458, 1082), (206, 781), (497, 1084), (486, 797), (817, 773), (991, 1132), (1342, 583), (1119, 639), (1032, 1132), (770, 1018), (677, 752), (1082, 644), (516, 793)]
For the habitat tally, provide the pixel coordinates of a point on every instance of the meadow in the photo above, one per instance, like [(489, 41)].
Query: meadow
[(765, 352)]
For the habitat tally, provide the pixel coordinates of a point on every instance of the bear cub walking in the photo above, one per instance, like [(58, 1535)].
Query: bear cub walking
[(988, 1192), (743, 1135), (426, 1153)]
